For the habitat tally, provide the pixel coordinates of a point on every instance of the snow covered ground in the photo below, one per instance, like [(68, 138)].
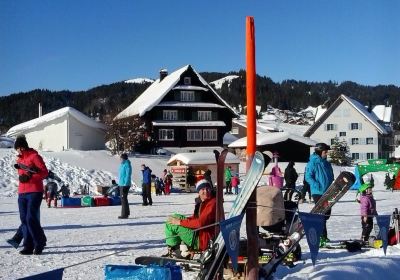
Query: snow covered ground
[(77, 236)]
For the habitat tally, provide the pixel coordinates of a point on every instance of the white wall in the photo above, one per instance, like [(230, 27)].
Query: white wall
[(50, 136), (83, 137)]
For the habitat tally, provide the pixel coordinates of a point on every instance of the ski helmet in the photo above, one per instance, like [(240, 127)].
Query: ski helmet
[(319, 147), (364, 187)]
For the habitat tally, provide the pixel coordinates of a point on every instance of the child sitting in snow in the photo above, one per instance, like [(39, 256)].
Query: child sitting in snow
[(367, 209)]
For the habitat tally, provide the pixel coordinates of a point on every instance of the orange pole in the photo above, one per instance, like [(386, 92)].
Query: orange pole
[(251, 212)]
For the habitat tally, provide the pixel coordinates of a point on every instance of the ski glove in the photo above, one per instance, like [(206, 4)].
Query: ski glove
[(24, 178)]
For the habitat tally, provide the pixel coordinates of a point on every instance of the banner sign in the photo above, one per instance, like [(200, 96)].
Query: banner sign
[(383, 223), (313, 225), (230, 230)]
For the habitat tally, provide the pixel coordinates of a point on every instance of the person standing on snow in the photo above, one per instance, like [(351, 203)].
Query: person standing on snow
[(367, 209), (290, 175), (228, 178), (124, 183), (319, 174), (146, 186), (30, 193)]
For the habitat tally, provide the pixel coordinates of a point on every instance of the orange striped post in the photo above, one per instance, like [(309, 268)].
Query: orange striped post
[(251, 211)]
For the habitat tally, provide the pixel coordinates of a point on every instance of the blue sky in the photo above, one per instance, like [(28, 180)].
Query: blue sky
[(79, 44)]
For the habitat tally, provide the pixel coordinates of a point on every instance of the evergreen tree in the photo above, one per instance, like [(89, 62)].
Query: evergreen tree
[(339, 153)]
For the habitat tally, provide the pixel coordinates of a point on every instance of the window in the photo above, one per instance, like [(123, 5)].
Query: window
[(170, 115), (354, 141), (166, 134), (235, 130), (355, 156), (204, 116), (330, 126), (187, 95), (355, 126), (370, 141), (210, 135), (187, 81), (370, 155), (342, 133), (194, 134)]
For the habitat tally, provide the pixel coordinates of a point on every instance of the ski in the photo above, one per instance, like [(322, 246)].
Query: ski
[(335, 191), (220, 187), (212, 259), (154, 260)]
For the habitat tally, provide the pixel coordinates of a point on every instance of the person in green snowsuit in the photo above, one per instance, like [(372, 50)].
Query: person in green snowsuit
[(228, 179)]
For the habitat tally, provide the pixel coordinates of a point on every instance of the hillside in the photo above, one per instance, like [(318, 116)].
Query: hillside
[(105, 101)]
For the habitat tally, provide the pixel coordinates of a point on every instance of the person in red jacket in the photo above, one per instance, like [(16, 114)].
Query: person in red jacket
[(31, 172), (180, 229)]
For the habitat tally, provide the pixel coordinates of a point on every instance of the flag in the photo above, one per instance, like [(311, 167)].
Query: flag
[(230, 230), (313, 225), (383, 223), (56, 274)]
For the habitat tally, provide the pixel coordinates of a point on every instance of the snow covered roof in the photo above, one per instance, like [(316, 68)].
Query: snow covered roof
[(190, 87), (187, 124), (189, 104), (139, 81), (52, 116), (383, 113), (273, 138), (259, 128), (319, 112), (201, 158), (229, 138), (371, 117), (156, 92)]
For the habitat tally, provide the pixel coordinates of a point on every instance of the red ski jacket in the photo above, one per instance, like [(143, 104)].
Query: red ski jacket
[(33, 160), (206, 217)]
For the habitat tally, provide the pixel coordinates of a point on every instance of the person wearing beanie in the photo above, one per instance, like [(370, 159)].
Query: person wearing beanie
[(146, 185), (124, 183), (181, 229), (31, 171), (319, 174)]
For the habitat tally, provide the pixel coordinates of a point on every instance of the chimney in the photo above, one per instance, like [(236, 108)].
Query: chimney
[(163, 74), (40, 110)]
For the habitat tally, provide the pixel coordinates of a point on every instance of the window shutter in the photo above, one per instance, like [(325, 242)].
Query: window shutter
[(360, 126), (194, 116), (197, 96), (335, 126), (325, 127)]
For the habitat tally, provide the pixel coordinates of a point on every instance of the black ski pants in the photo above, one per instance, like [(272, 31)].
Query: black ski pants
[(124, 201), (146, 193)]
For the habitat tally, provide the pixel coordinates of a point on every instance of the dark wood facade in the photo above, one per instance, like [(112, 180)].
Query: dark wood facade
[(189, 115)]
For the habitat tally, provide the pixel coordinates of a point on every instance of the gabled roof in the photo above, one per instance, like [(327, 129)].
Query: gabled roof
[(371, 117), (272, 138), (153, 95), (52, 116)]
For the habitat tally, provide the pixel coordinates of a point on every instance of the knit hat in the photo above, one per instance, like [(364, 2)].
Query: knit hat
[(124, 156), (203, 183), (20, 142)]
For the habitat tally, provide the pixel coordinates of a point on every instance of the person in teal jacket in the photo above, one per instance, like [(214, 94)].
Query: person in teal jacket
[(124, 183), (319, 174)]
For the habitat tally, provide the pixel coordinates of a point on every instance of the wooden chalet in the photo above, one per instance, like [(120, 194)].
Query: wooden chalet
[(182, 110)]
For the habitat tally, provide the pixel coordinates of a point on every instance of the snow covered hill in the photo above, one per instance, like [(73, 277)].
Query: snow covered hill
[(77, 235)]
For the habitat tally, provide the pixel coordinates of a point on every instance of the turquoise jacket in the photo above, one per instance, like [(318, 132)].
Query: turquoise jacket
[(319, 174), (125, 173)]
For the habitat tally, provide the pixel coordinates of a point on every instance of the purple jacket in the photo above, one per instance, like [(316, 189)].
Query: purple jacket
[(368, 205)]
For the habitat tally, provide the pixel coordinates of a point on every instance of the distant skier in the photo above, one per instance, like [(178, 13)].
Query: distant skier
[(124, 183), (235, 183), (319, 174), (228, 178), (291, 175), (146, 186)]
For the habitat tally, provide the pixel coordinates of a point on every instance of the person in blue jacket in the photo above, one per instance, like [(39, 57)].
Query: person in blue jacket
[(319, 174), (124, 183), (146, 186)]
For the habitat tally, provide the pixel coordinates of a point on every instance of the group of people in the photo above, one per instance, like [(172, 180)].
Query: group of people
[(231, 181)]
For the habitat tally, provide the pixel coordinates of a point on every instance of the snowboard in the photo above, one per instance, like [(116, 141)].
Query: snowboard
[(335, 191), (211, 260)]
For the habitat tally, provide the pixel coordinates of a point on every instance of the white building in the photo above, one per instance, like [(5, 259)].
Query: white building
[(66, 128), (368, 133)]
